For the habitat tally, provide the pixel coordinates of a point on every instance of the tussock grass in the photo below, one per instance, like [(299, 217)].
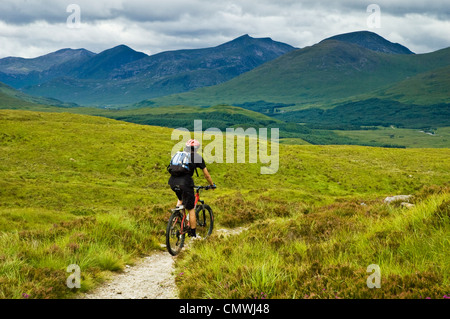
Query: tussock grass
[(325, 254), (32, 259)]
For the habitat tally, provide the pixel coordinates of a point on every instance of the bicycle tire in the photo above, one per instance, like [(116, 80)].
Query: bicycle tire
[(205, 220), (174, 238)]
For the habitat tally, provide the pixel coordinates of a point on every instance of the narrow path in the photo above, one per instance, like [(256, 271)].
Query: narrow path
[(151, 278)]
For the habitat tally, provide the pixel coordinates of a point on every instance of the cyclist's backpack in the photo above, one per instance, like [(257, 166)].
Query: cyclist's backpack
[(180, 165)]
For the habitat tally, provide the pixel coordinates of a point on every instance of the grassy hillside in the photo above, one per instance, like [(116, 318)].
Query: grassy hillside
[(220, 116), (223, 117), (372, 41), (425, 89), (437, 137), (320, 131), (324, 253), (373, 112), (11, 98), (334, 129), (92, 191)]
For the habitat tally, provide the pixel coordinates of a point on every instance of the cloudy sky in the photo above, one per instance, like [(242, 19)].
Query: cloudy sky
[(29, 28)]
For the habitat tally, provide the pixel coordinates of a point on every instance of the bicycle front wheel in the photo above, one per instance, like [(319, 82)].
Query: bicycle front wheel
[(205, 220), (174, 236)]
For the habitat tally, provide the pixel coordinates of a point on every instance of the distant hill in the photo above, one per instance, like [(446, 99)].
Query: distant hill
[(103, 64), (228, 60), (10, 98), (123, 76), (373, 112), (13, 65), (318, 128), (356, 81), (320, 75), (371, 41), (20, 72), (425, 88)]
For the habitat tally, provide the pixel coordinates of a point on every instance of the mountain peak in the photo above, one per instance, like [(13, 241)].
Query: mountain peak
[(246, 41), (103, 63), (371, 41), (242, 39), (245, 36), (122, 49), (65, 50)]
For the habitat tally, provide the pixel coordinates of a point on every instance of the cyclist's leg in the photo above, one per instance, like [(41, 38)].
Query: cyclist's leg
[(179, 194), (189, 202), (192, 218)]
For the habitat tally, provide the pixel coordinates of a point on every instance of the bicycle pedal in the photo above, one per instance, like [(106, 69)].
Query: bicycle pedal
[(178, 208)]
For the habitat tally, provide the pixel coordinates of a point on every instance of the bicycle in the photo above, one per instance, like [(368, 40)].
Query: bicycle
[(178, 225)]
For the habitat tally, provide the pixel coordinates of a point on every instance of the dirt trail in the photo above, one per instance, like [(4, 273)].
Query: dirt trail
[(151, 278)]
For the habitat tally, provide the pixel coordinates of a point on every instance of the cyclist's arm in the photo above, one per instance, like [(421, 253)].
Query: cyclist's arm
[(207, 176)]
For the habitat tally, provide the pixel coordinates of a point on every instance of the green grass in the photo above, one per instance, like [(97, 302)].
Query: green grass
[(93, 191), (416, 138), (425, 89), (319, 131), (324, 252), (372, 112), (11, 98)]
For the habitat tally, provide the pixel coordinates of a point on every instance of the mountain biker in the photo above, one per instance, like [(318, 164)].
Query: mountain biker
[(183, 186)]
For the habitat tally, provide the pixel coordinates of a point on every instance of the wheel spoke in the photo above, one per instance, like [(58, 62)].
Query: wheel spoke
[(174, 236), (204, 220)]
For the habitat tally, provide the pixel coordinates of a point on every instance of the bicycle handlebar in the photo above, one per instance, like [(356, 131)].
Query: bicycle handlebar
[(206, 187)]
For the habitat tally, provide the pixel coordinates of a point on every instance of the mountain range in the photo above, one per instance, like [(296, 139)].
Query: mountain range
[(245, 71), (330, 72), (346, 82), (372, 41), (365, 80), (122, 75)]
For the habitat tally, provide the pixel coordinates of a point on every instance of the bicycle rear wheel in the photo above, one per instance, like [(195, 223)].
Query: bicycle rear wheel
[(174, 237), (205, 220)]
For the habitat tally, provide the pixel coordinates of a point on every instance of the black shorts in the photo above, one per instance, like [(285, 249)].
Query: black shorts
[(186, 195)]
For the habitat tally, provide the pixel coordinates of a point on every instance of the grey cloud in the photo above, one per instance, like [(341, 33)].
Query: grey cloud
[(54, 11), (398, 7), (24, 12), (34, 26)]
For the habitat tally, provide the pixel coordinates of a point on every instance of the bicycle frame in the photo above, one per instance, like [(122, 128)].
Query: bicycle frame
[(177, 227), (197, 200)]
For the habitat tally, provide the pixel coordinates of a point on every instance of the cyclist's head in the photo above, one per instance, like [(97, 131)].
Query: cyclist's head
[(192, 146)]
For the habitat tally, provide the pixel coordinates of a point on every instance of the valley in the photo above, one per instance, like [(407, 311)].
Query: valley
[(92, 191), (85, 140)]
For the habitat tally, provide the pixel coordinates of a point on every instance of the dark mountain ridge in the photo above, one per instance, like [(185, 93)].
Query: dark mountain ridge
[(21, 72), (15, 65), (371, 41), (238, 56), (320, 73), (101, 65), (122, 76), (241, 72)]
